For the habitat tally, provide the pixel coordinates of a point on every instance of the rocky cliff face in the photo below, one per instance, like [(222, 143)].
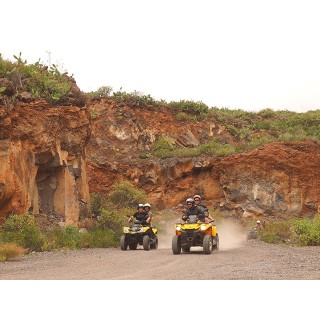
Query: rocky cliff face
[(42, 160), (52, 156), (277, 180)]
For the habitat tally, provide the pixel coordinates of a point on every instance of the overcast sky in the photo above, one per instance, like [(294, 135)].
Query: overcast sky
[(235, 54)]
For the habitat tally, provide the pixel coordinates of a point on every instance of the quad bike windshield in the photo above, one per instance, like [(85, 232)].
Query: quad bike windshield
[(193, 219), (136, 226)]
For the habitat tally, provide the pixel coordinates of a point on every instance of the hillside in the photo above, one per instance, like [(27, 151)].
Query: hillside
[(265, 174), (58, 145)]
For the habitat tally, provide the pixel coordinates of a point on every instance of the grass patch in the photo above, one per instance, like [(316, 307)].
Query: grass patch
[(10, 251)]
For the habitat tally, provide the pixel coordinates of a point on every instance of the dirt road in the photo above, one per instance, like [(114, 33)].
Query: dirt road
[(246, 260)]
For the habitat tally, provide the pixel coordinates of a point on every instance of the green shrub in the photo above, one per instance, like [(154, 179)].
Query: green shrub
[(224, 150), (163, 146), (99, 239), (182, 116), (102, 92), (109, 219), (190, 107), (23, 230), (184, 153), (125, 195), (267, 113), (302, 232), (98, 201), (134, 99), (59, 238), (69, 238), (277, 232), (308, 232)]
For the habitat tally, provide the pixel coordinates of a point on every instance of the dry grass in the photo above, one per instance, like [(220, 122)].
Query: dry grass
[(10, 251)]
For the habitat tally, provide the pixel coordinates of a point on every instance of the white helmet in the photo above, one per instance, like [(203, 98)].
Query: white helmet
[(147, 205), (258, 221)]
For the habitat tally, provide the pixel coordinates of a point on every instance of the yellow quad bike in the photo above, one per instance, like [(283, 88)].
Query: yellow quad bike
[(195, 233), (138, 234)]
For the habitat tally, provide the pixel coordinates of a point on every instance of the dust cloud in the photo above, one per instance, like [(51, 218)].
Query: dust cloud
[(231, 235), (166, 234)]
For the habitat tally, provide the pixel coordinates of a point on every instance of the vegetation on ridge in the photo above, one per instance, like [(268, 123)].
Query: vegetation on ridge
[(248, 130), (38, 80)]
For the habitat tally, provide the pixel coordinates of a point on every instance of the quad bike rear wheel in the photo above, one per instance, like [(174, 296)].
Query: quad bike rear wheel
[(216, 246), (176, 246), (123, 243)]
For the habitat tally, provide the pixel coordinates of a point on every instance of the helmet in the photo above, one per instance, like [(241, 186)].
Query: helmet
[(147, 205), (196, 196), (190, 200), (140, 205), (258, 221)]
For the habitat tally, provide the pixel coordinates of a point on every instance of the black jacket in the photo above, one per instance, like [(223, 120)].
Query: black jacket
[(141, 216), (195, 210), (204, 207)]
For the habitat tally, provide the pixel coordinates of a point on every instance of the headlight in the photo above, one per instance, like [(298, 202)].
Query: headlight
[(203, 227), (178, 228)]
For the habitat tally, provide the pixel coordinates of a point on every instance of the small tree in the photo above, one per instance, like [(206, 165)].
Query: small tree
[(104, 91)]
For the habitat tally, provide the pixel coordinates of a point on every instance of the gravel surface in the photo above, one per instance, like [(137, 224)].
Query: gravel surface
[(249, 260)]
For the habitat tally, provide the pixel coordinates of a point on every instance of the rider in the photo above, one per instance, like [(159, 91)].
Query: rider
[(147, 208), (259, 225), (208, 217), (193, 210), (141, 215)]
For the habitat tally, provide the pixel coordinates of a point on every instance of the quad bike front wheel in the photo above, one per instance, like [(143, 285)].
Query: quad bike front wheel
[(207, 244), (146, 242), (154, 244), (176, 246), (123, 243)]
